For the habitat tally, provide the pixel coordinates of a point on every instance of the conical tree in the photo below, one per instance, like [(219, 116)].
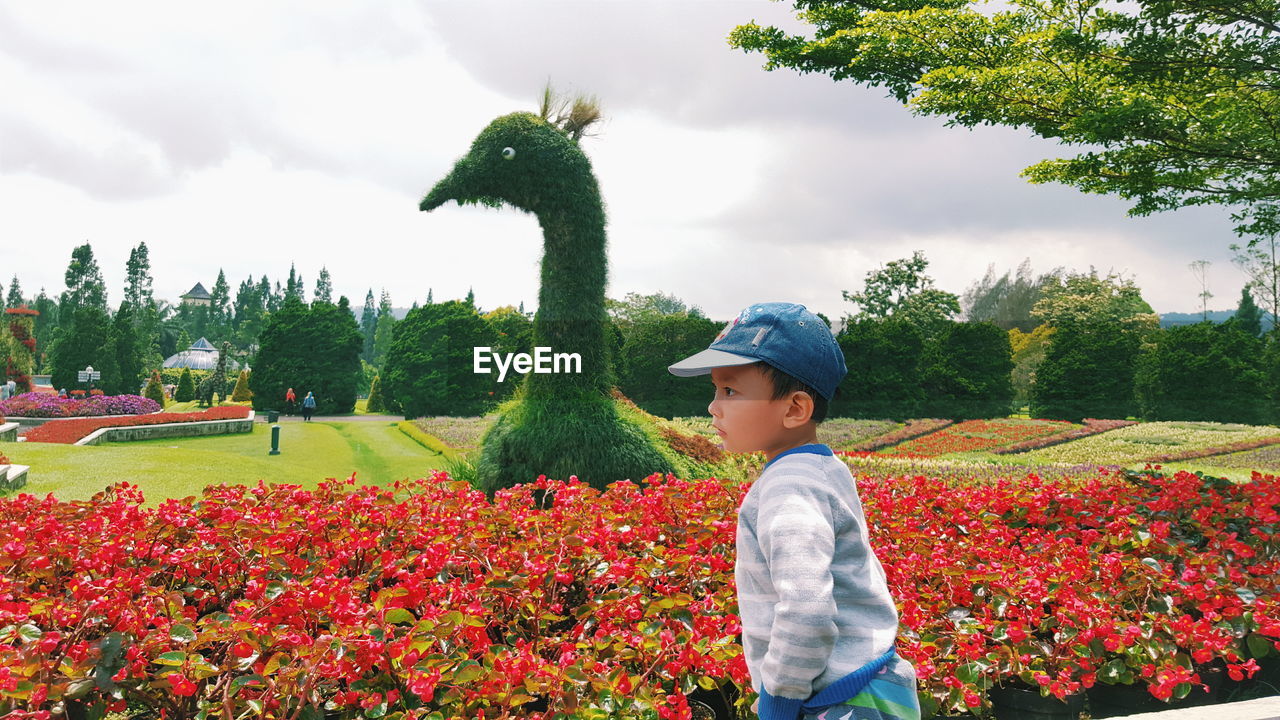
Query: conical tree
[(186, 391), (567, 423), (241, 393), (376, 404), (155, 389)]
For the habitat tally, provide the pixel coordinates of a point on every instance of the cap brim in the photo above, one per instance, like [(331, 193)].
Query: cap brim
[(703, 362)]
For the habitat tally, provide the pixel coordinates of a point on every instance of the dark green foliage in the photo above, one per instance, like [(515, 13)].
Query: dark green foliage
[(565, 423), (368, 325), (651, 345), (1088, 371), (186, 390), (1203, 372), (85, 286), (1248, 315), (1271, 376), (430, 367), (124, 340), (513, 332), (599, 443), (310, 349), (966, 372), (173, 376), (883, 357), (215, 384), (375, 404), (154, 389), (84, 341)]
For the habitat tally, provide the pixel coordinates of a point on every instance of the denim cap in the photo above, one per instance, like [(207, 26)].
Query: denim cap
[(785, 335)]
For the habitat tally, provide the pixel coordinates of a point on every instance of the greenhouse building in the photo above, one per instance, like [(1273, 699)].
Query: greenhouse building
[(200, 356)]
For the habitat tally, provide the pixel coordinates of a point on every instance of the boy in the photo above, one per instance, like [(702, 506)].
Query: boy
[(818, 624)]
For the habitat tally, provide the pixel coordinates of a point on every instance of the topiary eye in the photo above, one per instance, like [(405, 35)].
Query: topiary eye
[(508, 153)]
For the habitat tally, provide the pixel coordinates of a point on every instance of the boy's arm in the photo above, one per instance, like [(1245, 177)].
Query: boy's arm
[(797, 536)]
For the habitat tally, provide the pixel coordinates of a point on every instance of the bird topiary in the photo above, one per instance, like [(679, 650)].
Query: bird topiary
[(556, 424)]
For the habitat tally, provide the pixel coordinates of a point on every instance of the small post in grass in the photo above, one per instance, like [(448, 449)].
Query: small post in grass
[(275, 439)]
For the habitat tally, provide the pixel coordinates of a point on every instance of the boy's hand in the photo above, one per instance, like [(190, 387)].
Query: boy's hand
[(755, 706)]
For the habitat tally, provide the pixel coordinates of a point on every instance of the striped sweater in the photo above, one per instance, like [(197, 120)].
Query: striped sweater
[(812, 595)]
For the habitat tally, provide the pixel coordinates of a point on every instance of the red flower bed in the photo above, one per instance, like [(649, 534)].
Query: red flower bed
[(428, 598), (976, 435), (913, 428), (1092, 426), (71, 431)]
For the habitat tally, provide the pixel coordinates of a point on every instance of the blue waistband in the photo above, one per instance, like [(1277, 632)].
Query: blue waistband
[(847, 686)]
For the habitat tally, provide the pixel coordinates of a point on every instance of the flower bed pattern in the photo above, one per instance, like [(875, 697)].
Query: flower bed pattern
[(1266, 459), (459, 433), (71, 431), (1091, 426), (426, 598), (913, 429), (1137, 443), (876, 464), (978, 435), (42, 405)]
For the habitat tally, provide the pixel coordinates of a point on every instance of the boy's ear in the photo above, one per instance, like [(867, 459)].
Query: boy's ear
[(799, 410)]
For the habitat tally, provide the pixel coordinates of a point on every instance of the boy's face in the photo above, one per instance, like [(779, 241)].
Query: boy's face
[(743, 411)]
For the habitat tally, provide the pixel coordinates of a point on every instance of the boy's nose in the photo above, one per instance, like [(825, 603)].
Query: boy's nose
[(712, 409)]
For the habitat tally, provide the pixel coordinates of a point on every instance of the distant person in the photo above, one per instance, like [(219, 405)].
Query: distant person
[(63, 393), (12, 386), (290, 401), (308, 407)]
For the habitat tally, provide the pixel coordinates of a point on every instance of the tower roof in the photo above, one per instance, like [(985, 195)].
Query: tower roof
[(197, 293)]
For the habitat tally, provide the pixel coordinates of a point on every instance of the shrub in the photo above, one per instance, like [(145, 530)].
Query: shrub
[(652, 344), (375, 404), (1088, 371), (429, 369), (241, 392), (312, 348), (155, 390), (186, 391), (1203, 372), (966, 372), (883, 358)]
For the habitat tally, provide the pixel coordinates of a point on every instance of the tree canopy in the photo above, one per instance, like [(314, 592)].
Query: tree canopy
[(902, 290), (1177, 101)]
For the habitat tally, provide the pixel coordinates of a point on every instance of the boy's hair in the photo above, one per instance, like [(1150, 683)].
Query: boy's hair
[(784, 385)]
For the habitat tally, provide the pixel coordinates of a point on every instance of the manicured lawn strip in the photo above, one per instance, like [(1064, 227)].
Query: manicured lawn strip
[(1091, 426), (179, 467), (1144, 441), (978, 435)]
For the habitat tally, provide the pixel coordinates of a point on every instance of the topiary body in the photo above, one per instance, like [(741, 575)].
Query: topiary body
[(568, 423), (241, 392)]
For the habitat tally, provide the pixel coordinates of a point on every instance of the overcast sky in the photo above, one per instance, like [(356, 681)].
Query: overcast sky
[(248, 136)]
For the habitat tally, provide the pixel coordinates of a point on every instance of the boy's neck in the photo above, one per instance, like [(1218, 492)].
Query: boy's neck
[(804, 435)]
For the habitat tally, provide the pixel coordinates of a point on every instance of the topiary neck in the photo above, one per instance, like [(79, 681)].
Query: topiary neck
[(571, 312)]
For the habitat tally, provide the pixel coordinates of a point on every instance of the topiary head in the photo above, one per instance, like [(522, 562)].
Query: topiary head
[(520, 159)]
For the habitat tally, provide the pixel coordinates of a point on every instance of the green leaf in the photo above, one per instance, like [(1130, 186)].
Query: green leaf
[(1112, 671), (29, 633), (969, 672), (1259, 646), (1246, 595), (470, 670), (175, 658), (274, 590), (400, 615), (182, 633), (246, 680), (1153, 564)]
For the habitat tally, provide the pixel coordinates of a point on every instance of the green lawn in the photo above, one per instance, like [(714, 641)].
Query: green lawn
[(177, 467)]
